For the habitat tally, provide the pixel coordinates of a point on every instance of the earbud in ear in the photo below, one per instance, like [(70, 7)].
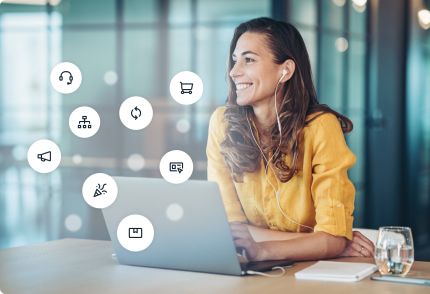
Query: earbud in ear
[(284, 72)]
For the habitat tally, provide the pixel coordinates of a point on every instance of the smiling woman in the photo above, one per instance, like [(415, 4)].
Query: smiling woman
[(279, 157), (254, 73)]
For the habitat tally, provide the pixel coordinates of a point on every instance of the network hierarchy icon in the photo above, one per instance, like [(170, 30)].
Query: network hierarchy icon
[(100, 190)]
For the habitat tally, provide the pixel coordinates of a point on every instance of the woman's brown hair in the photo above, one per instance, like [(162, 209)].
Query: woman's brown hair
[(298, 100)]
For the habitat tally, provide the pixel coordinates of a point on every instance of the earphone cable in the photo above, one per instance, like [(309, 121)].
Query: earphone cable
[(283, 271), (270, 159)]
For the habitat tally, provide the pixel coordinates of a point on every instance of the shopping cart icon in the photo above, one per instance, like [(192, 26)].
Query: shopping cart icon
[(186, 88)]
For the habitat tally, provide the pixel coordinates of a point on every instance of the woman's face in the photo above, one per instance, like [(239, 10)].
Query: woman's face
[(254, 73)]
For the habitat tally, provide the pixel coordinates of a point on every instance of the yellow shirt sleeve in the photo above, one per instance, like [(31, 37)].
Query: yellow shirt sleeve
[(218, 171), (332, 191)]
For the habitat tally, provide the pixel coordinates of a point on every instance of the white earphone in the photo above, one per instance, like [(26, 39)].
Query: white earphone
[(284, 72)]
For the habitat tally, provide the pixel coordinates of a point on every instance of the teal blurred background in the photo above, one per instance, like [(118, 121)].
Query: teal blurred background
[(370, 60)]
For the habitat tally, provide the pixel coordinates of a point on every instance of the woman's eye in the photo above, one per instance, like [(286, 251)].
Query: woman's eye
[(249, 60)]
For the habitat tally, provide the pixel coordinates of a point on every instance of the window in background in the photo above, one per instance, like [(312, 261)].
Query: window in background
[(335, 35), (123, 48), (422, 199), (29, 202), (416, 199), (90, 40), (132, 47)]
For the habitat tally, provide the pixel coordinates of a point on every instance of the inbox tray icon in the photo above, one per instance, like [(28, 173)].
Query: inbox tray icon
[(135, 232)]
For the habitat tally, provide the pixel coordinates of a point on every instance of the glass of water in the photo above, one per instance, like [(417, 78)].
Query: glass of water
[(394, 254)]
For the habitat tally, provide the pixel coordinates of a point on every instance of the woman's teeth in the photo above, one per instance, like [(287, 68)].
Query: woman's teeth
[(243, 86)]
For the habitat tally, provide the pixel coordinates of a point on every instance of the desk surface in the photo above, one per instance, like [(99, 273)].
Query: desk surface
[(86, 266)]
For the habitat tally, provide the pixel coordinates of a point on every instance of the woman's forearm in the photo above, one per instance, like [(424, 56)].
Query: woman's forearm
[(261, 234), (308, 246)]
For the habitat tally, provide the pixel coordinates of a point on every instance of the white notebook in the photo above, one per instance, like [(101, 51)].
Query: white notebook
[(336, 271)]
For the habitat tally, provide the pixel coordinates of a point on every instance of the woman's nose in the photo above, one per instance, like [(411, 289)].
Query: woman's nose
[(235, 70)]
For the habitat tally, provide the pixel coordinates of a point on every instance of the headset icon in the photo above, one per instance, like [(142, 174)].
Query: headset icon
[(70, 76)]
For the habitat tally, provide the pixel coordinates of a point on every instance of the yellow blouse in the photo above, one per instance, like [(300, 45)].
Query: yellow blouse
[(319, 196)]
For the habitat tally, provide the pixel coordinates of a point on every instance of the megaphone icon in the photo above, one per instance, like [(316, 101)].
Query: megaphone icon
[(44, 156)]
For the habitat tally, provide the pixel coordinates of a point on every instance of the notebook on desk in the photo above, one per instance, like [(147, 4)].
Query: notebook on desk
[(337, 271)]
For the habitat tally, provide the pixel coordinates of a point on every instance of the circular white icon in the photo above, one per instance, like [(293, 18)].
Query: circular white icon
[(176, 166), (84, 122), (186, 87), (135, 232), (44, 156), (135, 113), (66, 77), (99, 190)]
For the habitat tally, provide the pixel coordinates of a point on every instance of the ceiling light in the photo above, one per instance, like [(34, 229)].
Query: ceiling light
[(341, 44), (339, 3), (424, 18), (359, 3)]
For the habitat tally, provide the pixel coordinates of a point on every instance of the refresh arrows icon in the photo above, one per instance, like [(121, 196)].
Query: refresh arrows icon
[(136, 113)]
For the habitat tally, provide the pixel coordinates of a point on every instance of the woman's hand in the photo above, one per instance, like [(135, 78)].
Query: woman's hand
[(243, 239), (359, 246)]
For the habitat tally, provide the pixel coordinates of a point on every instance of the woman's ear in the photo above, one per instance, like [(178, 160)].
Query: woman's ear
[(289, 66)]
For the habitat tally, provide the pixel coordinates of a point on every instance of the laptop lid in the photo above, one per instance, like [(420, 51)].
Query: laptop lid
[(200, 240)]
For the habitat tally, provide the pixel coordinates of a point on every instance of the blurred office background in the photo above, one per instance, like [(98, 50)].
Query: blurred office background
[(371, 61)]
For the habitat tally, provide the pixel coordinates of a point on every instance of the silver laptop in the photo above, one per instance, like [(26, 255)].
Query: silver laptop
[(200, 240)]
